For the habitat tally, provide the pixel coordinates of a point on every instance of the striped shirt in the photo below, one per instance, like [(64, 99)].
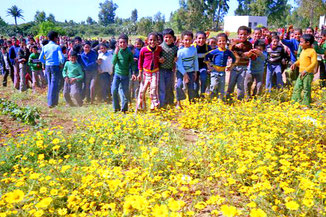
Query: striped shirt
[(187, 60)]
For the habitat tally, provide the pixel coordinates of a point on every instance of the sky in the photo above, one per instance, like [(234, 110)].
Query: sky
[(79, 10)]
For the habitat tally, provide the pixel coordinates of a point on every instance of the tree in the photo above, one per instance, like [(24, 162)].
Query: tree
[(90, 21), (145, 25), (134, 15), (15, 12), (107, 12), (40, 17), (216, 10), (51, 18), (45, 27), (243, 7), (158, 21), (312, 9)]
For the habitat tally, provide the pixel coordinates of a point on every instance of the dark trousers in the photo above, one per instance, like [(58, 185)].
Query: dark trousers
[(6, 73), (322, 74)]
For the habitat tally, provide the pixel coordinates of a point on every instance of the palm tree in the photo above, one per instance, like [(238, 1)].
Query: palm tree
[(15, 12)]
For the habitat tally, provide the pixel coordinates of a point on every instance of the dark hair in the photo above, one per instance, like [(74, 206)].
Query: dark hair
[(123, 37), (52, 35), (245, 28), (45, 42), (200, 33), (259, 43), (34, 47), (139, 40), (22, 40), (103, 45), (73, 54), (222, 35), (77, 48), (323, 32), (312, 29), (77, 38), (257, 29), (188, 33), (63, 48), (88, 43), (276, 37), (159, 35), (168, 32), (308, 38), (273, 34), (298, 30), (152, 33)]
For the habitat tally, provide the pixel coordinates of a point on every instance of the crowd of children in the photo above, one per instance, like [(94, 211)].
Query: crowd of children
[(191, 67)]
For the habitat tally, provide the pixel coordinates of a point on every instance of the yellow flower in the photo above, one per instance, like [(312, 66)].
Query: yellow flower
[(38, 213), (41, 156), (55, 141), (175, 205), (257, 213), (292, 205), (44, 202), (228, 211), (160, 211), (54, 192), (62, 211), (200, 205), (15, 196)]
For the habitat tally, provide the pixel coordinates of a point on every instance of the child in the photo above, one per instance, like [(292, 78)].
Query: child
[(322, 44), (187, 68), (148, 66), (7, 66), (36, 67), (169, 53), (218, 59), (255, 68), (275, 55), (239, 47), (23, 55), (202, 49), (134, 87), (105, 71), (306, 63), (73, 74), (213, 43), (122, 61)]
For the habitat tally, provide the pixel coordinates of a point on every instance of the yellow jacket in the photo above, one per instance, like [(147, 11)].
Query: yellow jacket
[(307, 60)]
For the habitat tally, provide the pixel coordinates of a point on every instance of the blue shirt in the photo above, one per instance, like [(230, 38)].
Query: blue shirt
[(257, 65), (219, 57), (89, 61), (51, 55), (293, 45), (187, 60)]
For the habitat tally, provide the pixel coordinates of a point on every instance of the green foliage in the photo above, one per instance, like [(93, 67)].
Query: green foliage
[(312, 10), (15, 12), (107, 12), (145, 25), (27, 115), (45, 27), (40, 16)]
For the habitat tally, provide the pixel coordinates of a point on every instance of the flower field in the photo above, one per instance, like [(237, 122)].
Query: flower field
[(263, 157)]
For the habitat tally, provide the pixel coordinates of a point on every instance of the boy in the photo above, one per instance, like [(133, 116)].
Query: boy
[(23, 55), (202, 49), (275, 55), (134, 86), (218, 59), (187, 68), (322, 44), (255, 68), (169, 53), (7, 66), (122, 61), (239, 47), (73, 75), (306, 63), (105, 70), (148, 66), (36, 67), (213, 43)]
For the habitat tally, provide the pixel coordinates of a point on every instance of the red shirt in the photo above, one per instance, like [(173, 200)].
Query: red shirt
[(149, 59)]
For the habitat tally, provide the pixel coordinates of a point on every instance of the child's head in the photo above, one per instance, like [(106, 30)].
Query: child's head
[(259, 44), (139, 43), (103, 47), (222, 39), (23, 42), (323, 34), (297, 34), (257, 33), (200, 38), (275, 41), (187, 37), (306, 41), (243, 32), (53, 36), (87, 47), (310, 31), (34, 49), (3, 49), (168, 36), (212, 42), (73, 56), (159, 38), (152, 39), (123, 41), (131, 48)]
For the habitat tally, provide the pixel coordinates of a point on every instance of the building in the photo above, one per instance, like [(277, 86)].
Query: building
[(322, 21), (232, 23)]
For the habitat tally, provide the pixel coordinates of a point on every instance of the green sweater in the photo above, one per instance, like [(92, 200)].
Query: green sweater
[(123, 61), (34, 62), (73, 70)]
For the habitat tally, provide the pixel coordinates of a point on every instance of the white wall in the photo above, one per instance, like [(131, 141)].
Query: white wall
[(322, 21), (232, 23)]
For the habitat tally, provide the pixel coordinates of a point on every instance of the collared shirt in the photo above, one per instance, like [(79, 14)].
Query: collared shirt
[(89, 61), (106, 64), (51, 55)]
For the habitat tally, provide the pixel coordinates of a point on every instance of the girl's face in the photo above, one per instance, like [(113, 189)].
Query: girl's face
[(138, 44), (103, 49), (152, 41), (201, 39), (212, 43), (221, 42), (87, 48), (73, 59), (297, 35), (159, 40)]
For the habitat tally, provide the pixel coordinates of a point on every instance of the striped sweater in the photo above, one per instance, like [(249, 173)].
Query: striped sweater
[(187, 60)]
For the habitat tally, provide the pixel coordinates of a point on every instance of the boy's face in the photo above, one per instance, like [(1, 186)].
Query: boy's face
[(87, 48), (152, 41), (257, 34), (103, 49), (123, 43), (34, 50), (297, 35), (309, 31), (212, 43), (168, 39), (243, 35), (274, 43), (304, 44), (221, 42), (73, 59), (138, 44), (201, 39), (187, 40)]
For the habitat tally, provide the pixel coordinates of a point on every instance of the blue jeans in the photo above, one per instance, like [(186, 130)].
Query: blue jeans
[(271, 69), (104, 83), (123, 81), (237, 77), (217, 84), (166, 87), (53, 76), (202, 77), (190, 85)]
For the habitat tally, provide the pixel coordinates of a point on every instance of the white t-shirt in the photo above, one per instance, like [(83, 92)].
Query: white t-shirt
[(106, 65)]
